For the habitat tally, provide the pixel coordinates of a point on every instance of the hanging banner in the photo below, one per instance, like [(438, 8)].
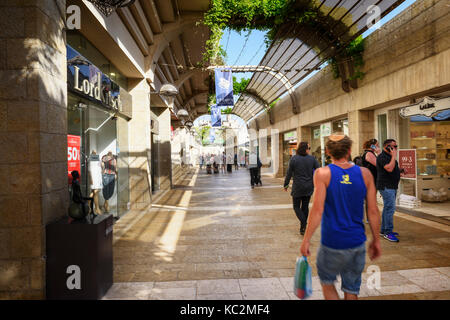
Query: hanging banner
[(212, 135), (216, 116), (224, 87), (407, 160), (73, 155)]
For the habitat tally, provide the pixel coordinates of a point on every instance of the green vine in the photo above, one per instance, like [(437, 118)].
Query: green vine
[(263, 15), (239, 86), (354, 51), (271, 105), (279, 18)]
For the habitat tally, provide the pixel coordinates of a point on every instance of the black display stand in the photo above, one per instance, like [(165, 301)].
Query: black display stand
[(79, 258)]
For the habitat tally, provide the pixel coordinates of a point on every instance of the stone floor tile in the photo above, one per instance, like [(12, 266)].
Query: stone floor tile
[(175, 284), (268, 282), (220, 296), (418, 273), (134, 290), (399, 289), (262, 293), (173, 294), (443, 270), (433, 283), (222, 286)]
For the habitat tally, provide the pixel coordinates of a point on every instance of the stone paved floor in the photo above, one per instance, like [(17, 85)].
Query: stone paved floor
[(213, 237)]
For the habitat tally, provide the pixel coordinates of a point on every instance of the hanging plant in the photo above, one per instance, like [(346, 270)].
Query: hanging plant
[(280, 19), (354, 52), (263, 15)]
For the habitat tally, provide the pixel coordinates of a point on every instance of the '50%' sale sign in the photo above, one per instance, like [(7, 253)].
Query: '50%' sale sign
[(73, 155)]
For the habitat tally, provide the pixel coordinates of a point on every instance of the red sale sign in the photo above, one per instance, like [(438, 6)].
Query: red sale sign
[(407, 161), (73, 155)]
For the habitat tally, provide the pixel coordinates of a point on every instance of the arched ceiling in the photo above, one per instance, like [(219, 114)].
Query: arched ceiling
[(172, 43), (300, 51), (167, 33)]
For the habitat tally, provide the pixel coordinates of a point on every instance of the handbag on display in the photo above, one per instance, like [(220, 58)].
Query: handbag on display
[(302, 279)]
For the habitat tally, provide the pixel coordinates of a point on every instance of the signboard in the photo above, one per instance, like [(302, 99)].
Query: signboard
[(224, 87), (73, 155), (216, 116), (86, 80), (325, 129), (288, 136), (317, 134), (407, 160), (428, 107)]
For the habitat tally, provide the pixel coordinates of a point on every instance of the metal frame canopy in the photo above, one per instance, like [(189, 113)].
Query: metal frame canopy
[(299, 50)]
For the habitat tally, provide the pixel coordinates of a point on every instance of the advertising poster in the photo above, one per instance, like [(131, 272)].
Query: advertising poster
[(224, 87), (407, 161), (73, 155)]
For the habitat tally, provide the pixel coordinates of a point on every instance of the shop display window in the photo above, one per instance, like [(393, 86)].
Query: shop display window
[(103, 160), (432, 142)]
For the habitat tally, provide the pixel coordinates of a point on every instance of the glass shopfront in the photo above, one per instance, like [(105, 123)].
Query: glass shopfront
[(319, 138), (289, 148), (98, 112)]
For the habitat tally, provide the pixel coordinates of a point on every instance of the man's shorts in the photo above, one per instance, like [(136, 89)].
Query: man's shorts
[(348, 263)]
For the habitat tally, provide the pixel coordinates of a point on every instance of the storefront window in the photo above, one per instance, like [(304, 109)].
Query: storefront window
[(382, 128), (87, 49), (289, 148), (102, 170)]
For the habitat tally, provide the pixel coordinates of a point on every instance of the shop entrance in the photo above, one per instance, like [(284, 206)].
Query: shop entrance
[(102, 167)]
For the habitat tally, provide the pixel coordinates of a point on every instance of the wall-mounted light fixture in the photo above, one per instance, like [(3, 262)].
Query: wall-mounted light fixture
[(109, 6)]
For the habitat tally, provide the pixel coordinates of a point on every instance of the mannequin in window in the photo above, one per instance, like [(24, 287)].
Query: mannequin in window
[(109, 170), (95, 176)]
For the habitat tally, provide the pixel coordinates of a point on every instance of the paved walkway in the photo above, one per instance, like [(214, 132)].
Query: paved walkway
[(213, 237)]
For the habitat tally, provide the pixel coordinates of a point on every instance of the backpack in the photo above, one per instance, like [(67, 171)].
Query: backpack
[(358, 160)]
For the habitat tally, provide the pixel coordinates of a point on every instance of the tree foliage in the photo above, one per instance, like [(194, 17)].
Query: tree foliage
[(239, 86)]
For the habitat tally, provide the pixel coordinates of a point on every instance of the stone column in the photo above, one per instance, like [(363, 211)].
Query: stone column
[(165, 156), (140, 146), (304, 134), (361, 127), (33, 140)]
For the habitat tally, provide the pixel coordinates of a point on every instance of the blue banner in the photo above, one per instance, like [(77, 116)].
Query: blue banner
[(224, 87), (212, 136), (216, 116)]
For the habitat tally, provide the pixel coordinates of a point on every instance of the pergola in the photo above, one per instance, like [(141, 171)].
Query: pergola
[(300, 50)]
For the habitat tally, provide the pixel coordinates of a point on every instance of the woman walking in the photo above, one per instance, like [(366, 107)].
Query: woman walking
[(301, 169), (369, 160)]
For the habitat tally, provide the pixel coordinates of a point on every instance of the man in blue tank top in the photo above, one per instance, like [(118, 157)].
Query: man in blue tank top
[(340, 190)]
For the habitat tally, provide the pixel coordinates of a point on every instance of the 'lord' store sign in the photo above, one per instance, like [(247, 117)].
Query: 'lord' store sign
[(88, 81)]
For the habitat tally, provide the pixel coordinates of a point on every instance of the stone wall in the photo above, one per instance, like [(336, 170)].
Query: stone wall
[(33, 140)]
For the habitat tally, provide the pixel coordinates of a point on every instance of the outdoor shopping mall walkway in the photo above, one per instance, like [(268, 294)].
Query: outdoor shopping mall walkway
[(213, 237)]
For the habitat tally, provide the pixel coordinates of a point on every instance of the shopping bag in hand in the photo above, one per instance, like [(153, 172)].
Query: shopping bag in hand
[(302, 279)]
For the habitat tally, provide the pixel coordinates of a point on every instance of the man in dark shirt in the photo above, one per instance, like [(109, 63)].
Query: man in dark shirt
[(301, 169), (388, 177)]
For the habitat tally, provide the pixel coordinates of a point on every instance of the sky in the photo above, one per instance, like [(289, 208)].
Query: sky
[(243, 50)]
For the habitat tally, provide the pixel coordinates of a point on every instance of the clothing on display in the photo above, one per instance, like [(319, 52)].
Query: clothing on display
[(95, 170), (109, 175)]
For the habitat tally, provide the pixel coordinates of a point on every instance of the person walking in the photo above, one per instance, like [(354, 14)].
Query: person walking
[(201, 160), (301, 169), (223, 162), (388, 178), (253, 165), (236, 166), (369, 160), (340, 190)]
